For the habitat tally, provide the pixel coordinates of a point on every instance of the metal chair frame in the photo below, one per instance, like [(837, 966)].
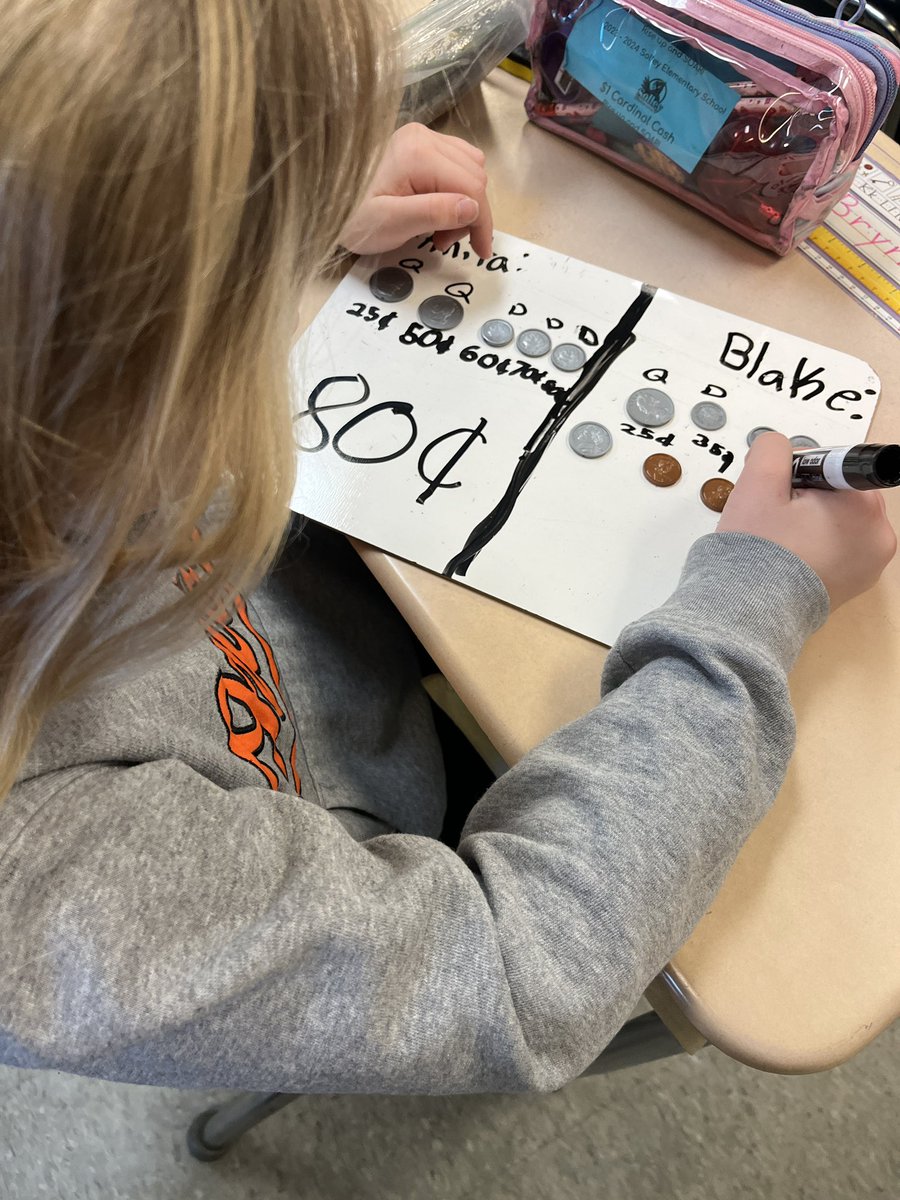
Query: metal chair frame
[(213, 1132)]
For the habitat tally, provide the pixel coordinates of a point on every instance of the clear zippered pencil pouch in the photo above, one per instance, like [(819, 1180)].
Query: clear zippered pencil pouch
[(750, 110)]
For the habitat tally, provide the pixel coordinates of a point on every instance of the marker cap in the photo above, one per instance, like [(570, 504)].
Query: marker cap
[(872, 466)]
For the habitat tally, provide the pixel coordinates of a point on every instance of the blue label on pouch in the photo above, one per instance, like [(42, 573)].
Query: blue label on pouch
[(657, 83)]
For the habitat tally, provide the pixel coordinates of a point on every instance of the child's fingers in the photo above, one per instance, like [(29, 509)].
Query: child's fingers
[(470, 165), (763, 487), (768, 467), (467, 148), (480, 236), (436, 173), (417, 139), (427, 183), (404, 217), (444, 238), (481, 232), (470, 160), (451, 145)]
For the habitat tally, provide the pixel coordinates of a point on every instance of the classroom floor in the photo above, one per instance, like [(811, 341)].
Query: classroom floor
[(687, 1129)]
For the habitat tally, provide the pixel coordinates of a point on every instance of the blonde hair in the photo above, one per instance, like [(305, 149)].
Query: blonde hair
[(171, 173)]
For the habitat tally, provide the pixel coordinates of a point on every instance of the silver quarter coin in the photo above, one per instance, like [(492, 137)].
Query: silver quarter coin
[(440, 312), (391, 284), (754, 433), (708, 415), (533, 342), (590, 439), (568, 357), (496, 332), (801, 442), (650, 406)]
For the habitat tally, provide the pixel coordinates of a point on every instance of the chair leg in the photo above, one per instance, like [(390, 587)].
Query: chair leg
[(644, 1039), (214, 1131)]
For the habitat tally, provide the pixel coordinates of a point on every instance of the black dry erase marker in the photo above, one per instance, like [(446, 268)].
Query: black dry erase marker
[(847, 468)]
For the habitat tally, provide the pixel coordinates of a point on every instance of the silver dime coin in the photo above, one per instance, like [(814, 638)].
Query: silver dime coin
[(708, 415), (754, 433), (391, 284), (650, 406), (568, 357), (590, 439), (496, 332), (533, 342), (440, 312), (800, 441)]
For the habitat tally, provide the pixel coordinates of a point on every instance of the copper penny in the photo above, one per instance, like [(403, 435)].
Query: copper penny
[(662, 470), (715, 493)]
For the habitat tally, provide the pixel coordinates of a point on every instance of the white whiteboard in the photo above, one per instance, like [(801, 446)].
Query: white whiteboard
[(586, 543)]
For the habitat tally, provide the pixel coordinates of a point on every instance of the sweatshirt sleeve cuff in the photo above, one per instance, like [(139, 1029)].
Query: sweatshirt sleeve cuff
[(752, 589)]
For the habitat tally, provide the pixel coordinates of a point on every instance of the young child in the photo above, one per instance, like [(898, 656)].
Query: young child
[(219, 862)]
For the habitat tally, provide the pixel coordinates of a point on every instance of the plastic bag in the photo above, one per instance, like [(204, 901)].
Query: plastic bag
[(450, 46)]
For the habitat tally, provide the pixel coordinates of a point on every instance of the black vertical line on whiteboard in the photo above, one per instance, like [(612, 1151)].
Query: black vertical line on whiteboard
[(616, 342)]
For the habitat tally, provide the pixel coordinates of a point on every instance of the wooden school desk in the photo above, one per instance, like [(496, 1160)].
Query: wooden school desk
[(797, 965)]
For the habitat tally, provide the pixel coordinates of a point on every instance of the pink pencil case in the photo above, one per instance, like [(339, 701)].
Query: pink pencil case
[(752, 111)]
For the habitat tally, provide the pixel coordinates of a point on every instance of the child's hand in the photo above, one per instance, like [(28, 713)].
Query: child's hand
[(844, 536), (427, 182)]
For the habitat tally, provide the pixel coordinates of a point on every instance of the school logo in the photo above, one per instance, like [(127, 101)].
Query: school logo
[(248, 693), (652, 92)]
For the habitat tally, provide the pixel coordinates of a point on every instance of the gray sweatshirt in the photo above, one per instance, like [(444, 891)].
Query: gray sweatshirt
[(190, 894)]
